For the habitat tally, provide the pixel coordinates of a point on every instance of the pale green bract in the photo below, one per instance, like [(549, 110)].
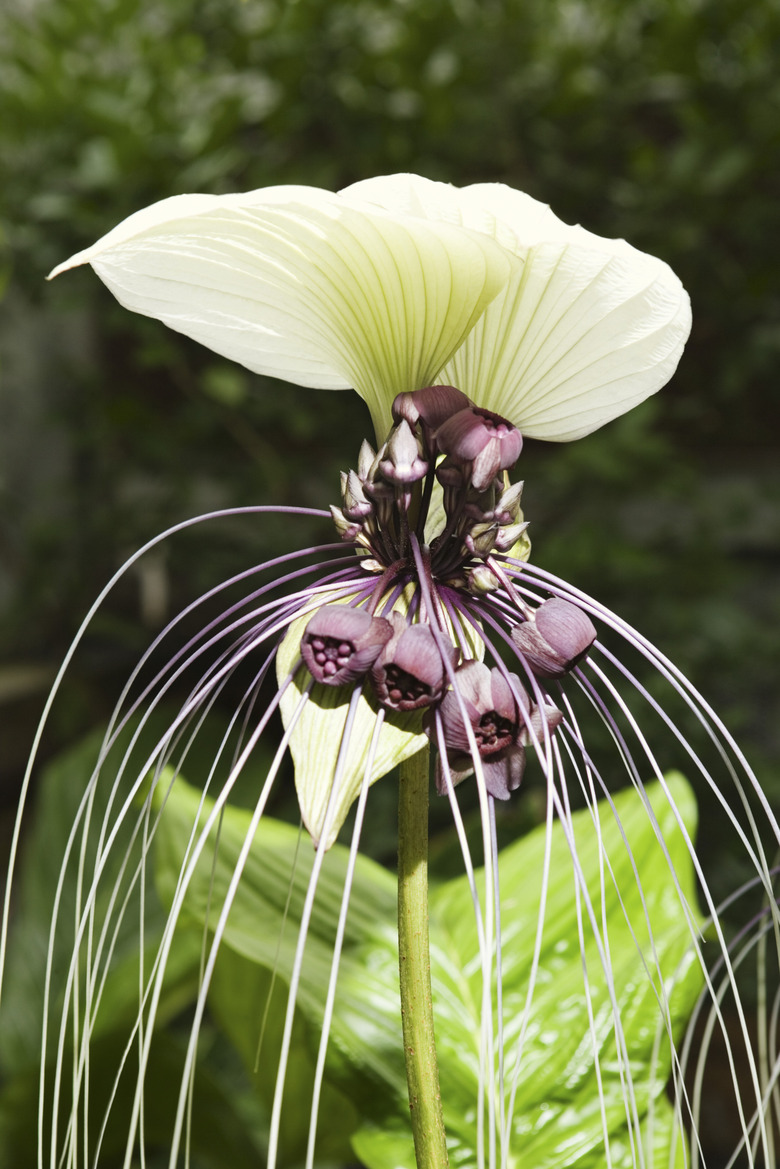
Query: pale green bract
[(399, 282)]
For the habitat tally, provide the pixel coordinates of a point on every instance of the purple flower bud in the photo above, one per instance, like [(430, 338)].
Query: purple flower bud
[(486, 441), (433, 404), (409, 672), (497, 720), (555, 639), (356, 507), (340, 643), (345, 527), (450, 474), (403, 463)]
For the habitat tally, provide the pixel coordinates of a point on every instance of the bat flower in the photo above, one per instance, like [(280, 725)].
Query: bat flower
[(487, 712), (468, 320)]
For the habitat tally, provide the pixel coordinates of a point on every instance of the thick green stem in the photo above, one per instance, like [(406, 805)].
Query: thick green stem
[(422, 1069)]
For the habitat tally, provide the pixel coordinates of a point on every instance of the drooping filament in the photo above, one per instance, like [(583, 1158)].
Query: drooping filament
[(425, 611)]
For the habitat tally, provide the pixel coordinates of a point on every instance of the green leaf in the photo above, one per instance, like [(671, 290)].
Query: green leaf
[(247, 1002), (556, 1119), (217, 1129), (62, 786), (557, 1116), (264, 919), (220, 1134)]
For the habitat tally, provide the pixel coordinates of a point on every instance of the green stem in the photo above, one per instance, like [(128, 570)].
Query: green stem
[(422, 1070)]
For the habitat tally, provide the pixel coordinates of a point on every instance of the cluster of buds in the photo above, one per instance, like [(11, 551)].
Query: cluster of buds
[(438, 437), (441, 442), (378, 497)]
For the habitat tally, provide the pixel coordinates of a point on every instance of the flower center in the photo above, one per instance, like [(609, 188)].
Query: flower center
[(494, 733), (403, 687), (444, 458), (330, 654)]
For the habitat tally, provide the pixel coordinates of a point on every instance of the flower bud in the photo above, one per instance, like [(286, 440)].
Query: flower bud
[(403, 464), (345, 527), (481, 539), (433, 404), (340, 643), (507, 537), (508, 510), (555, 639), (409, 672), (481, 580), (366, 457), (486, 441), (356, 507), (496, 709)]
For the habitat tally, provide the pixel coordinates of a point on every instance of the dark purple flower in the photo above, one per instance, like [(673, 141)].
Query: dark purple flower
[(433, 404), (486, 441), (555, 639), (409, 672), (341, 644), (497, 710)]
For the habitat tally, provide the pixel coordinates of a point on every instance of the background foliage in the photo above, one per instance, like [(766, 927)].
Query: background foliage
[(654, 120)]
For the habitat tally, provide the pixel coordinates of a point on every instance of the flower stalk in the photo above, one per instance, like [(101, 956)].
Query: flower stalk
[(414, 961)]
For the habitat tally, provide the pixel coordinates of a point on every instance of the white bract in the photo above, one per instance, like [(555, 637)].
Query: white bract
[(400, 282)]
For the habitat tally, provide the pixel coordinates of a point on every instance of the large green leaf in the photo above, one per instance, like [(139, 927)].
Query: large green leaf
[(647, 960), (263, 925), (557, 1115), (244, 994), (59, 797)]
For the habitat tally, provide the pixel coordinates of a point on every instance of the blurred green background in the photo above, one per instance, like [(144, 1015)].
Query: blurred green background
[(656, 120)]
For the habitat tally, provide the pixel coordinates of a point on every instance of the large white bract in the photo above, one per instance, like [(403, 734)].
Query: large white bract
[(399, 282)]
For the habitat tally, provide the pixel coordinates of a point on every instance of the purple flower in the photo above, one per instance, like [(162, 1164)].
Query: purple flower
[(483, 440), (555, 639), (341, 643), (430, 407), (491, 710), (410, 673)]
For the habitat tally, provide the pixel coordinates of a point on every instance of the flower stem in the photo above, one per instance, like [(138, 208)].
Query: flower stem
[(422, 1070)]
